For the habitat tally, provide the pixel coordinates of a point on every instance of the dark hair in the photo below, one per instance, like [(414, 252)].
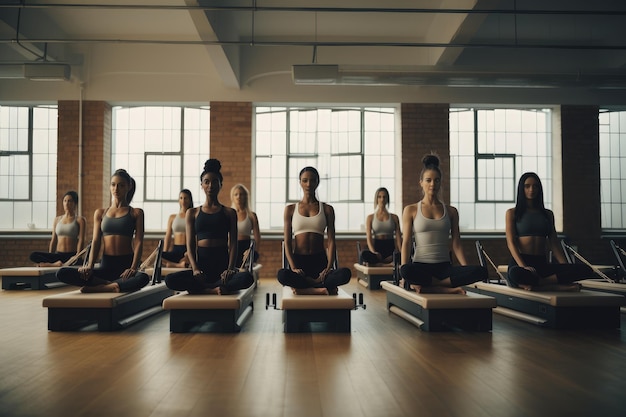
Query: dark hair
[(212, 166), (188, 193), (431, 162), (310, 169), (386, 191), (520, 202), (72, 194), (131, 183)]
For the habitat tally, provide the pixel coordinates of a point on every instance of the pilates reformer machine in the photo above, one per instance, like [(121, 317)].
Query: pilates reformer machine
[(37, 277), (555, 309), (437, 312), (371, 276), (225, 313), (611, 285), (302, 313), (109, 311)]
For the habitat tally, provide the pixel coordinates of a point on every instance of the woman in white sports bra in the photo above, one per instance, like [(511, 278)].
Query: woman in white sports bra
[(310, 269), (175, 243), (382, 229), (247, 223), (435, 229), (68, 235)]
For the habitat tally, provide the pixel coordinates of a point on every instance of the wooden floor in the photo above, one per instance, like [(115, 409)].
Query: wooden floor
[(385, 367)]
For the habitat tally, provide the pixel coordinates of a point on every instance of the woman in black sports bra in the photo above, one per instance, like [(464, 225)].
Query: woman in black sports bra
[(118, 230), (530, 233), (211, 232)]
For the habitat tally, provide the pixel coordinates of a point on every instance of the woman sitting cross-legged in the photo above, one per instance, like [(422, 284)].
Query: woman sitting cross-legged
[(119, 230), (211, 232), (435, 226), (530, 233), (310, 269)]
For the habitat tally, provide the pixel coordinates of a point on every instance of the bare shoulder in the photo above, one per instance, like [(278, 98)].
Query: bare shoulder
[(410, 210), (452, 209), (289, 209), (99, 213), (328, 209)]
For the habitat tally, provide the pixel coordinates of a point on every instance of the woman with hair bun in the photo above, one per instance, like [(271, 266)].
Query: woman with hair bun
[(211, 232), (310, 268), (435, 228), (68, 235), (118, 230)]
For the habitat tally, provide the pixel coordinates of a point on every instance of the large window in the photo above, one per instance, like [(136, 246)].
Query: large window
[(353, 148), (163, 149), (613, 169), (489, 150), (28, 167)]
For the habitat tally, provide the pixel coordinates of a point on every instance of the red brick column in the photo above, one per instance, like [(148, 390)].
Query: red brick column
[(425, 129), (581, 181), (231, 143)]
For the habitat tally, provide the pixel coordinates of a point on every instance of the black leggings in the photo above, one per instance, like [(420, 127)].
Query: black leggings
[(109, 271), (565, 273), (46, 257), (212, 262), (312, 265), (385, 247), (176, 254), (242, 246), (420, 273)]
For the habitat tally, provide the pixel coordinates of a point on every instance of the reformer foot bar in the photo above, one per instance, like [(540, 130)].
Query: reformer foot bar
[(436, 312), (554, 309)]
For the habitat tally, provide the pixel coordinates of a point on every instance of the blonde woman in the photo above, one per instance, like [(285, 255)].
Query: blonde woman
[(247, 223)]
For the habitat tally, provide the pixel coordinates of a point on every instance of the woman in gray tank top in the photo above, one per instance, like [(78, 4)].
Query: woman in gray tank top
[(435, 228), (118, 230), (68, 235), (175, 242)]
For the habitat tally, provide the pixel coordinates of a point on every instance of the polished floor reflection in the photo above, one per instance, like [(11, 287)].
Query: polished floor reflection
[(385, 367)]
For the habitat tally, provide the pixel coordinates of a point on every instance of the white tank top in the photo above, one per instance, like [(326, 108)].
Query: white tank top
[(244, 227), (385, 227), (179, 225), (432, 237), (313, 224)]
